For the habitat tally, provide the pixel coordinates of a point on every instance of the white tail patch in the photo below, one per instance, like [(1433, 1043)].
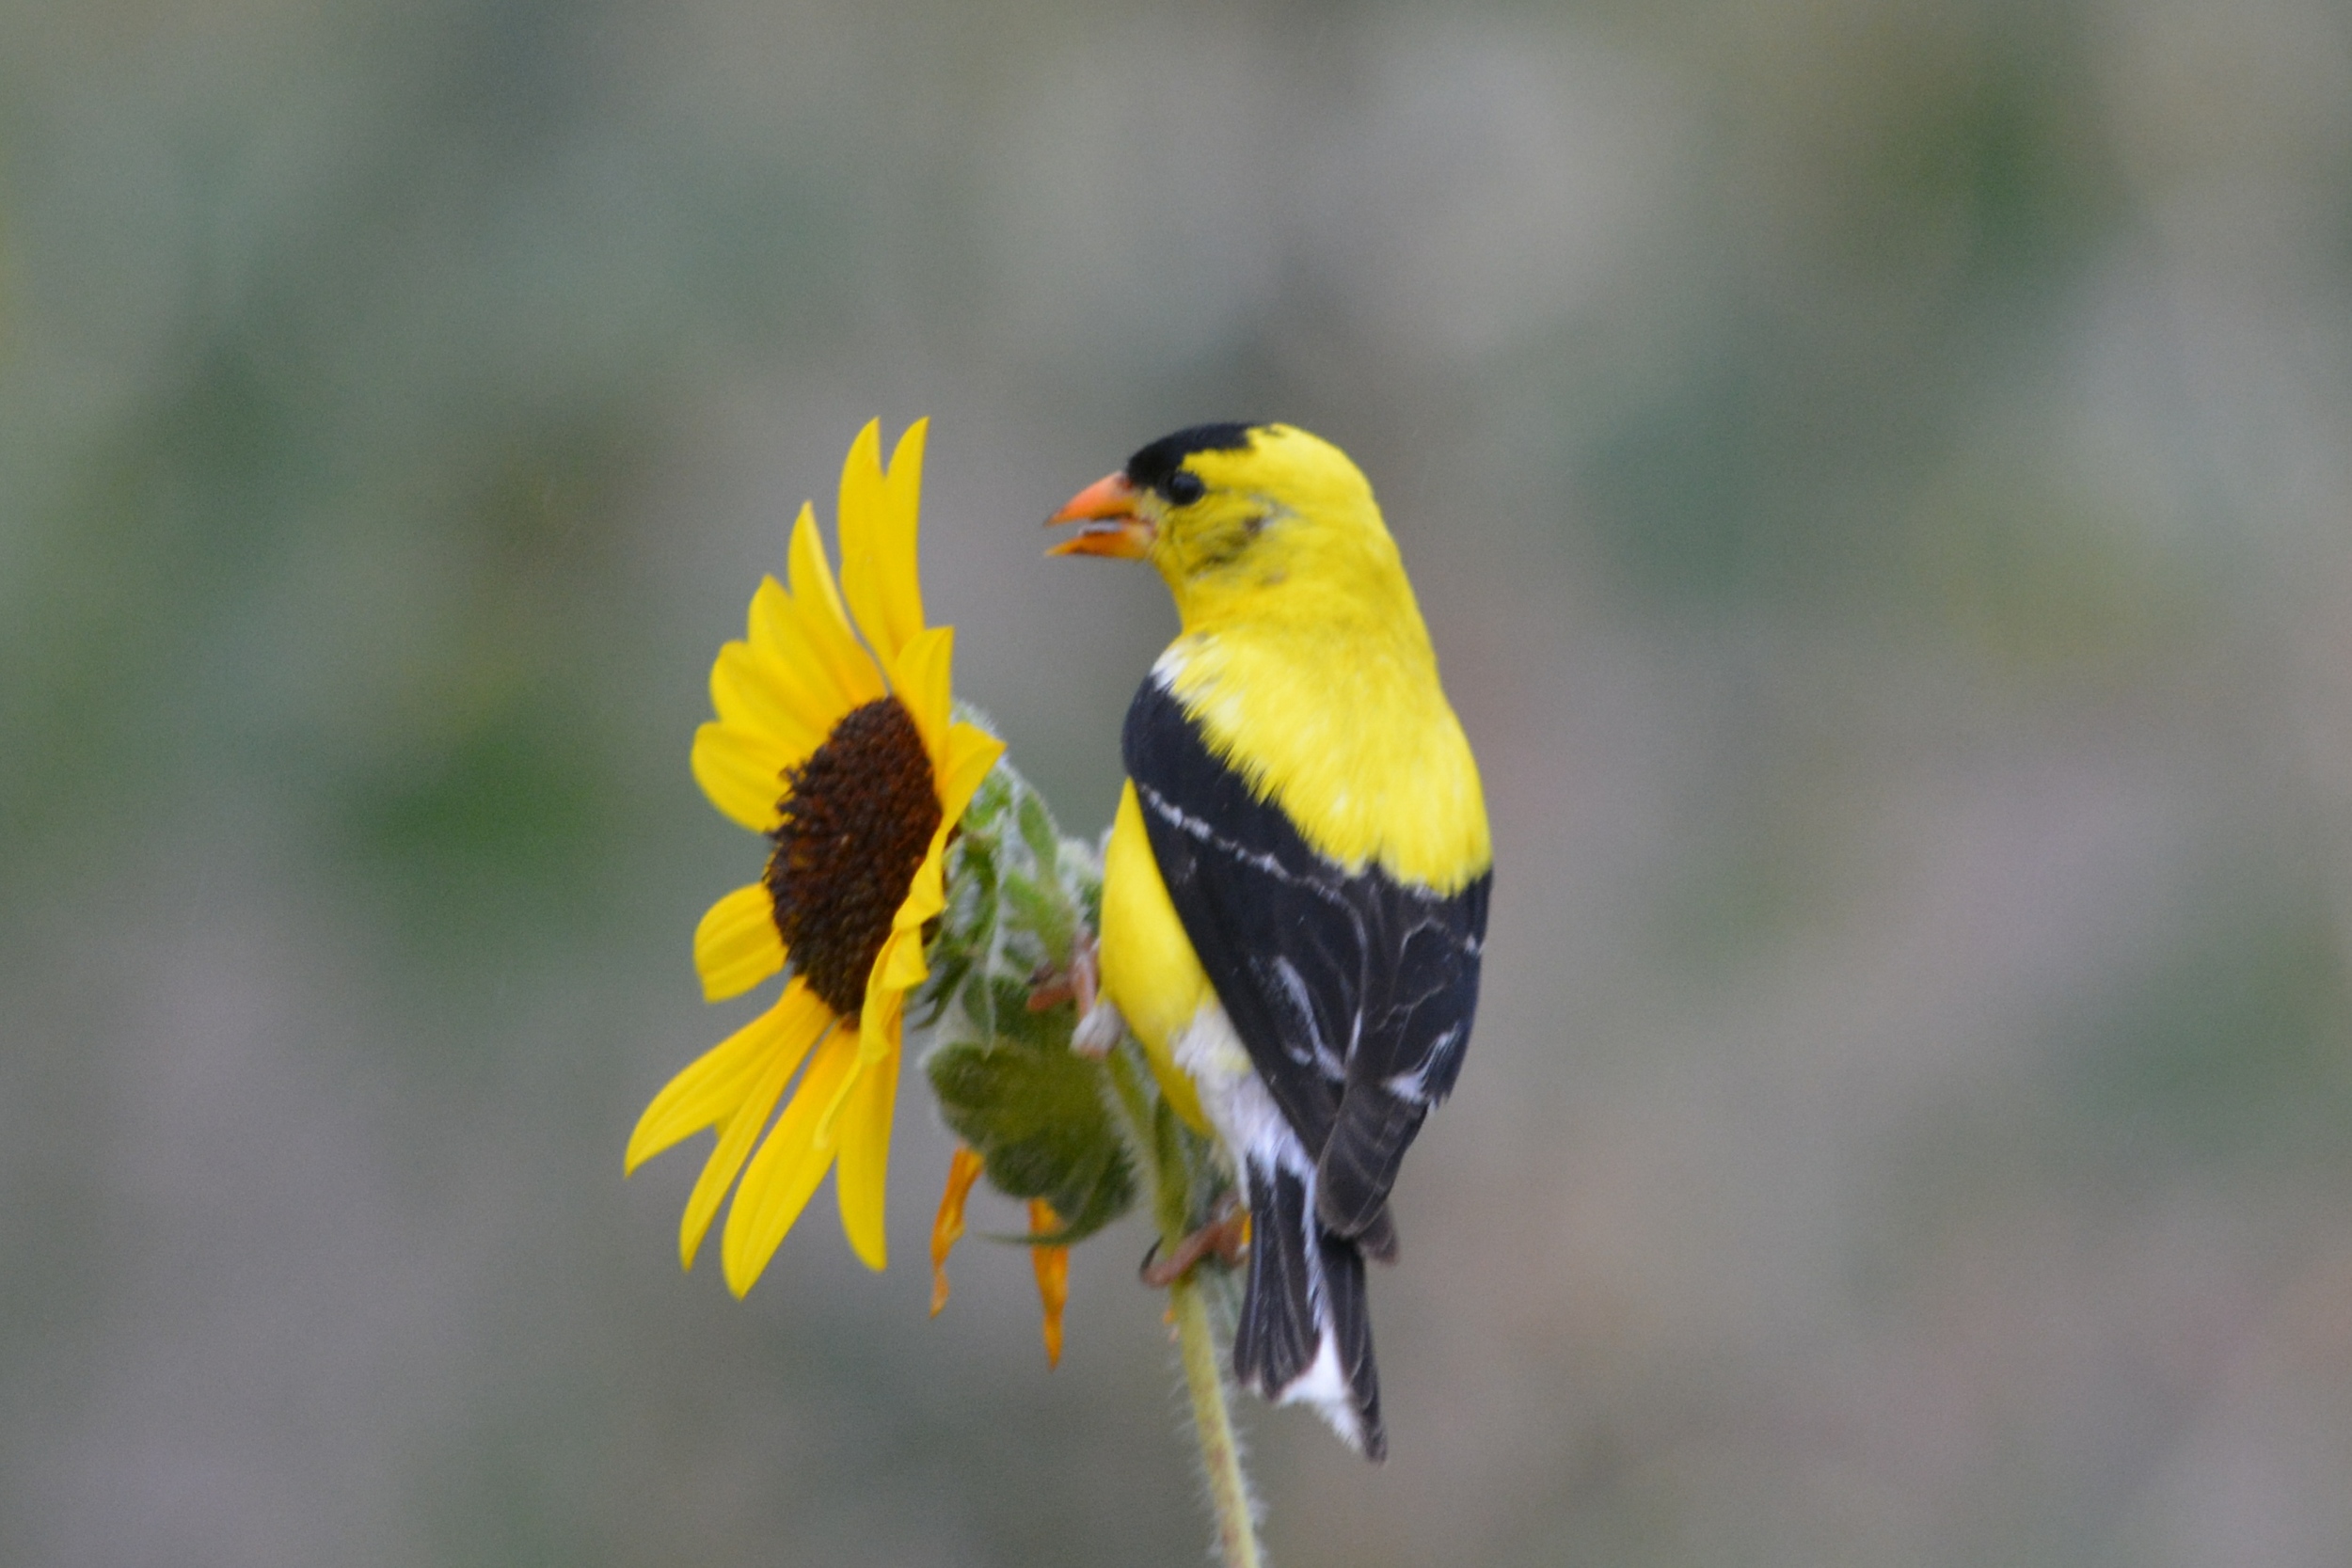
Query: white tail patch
[(1324, 1386)]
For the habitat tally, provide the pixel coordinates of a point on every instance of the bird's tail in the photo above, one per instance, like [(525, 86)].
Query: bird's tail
[(1304, 1332)]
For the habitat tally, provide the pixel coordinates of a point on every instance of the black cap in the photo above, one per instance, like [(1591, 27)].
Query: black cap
[(1152, 467)]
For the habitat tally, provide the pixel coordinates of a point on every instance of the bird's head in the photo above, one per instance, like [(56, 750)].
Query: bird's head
[(1231, 512)]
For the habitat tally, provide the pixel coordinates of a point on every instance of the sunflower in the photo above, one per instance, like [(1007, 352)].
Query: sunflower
[(844, 754)]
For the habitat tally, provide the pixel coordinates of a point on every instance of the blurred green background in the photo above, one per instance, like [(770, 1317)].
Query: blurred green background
[(1876, 475)]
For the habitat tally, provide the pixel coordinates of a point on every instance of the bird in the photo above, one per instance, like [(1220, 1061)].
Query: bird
[(1295, 883)]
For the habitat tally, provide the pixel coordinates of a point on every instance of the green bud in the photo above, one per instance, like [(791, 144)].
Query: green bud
[(1007, 1082)]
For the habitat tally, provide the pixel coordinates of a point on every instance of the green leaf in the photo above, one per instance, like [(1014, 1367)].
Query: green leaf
[(1037, 830), (1043, 915)]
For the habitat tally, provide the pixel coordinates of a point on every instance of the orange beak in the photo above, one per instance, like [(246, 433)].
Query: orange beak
[(1107, 507)]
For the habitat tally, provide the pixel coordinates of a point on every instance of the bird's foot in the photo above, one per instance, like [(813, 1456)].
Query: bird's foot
[(1079, 980), (1226, 1235)]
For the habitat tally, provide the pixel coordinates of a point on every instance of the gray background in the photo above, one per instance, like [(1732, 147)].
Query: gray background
[(1876, 475)]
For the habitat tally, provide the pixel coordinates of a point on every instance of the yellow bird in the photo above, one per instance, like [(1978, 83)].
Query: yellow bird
[(1294, 892)]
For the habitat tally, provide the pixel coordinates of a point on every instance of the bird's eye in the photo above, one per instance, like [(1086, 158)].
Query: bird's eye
[(1183, 487)]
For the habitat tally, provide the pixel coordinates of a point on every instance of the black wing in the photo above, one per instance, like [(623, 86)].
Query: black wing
[(1353, 994)]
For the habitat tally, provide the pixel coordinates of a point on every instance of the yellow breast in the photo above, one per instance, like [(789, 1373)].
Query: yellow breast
[(1350, 735)]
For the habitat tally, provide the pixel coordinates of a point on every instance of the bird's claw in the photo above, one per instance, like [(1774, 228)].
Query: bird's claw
[(1226, 1235), (1079, 980)]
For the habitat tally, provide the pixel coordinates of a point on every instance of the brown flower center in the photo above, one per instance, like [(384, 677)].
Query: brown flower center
[(858, 818)]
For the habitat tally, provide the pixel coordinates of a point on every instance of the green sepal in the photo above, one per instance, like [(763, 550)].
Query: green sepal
[(1037, 1121)]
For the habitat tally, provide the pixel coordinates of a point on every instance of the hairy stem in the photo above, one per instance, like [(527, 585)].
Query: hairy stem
[(1220, 1455), (1159, 1145)]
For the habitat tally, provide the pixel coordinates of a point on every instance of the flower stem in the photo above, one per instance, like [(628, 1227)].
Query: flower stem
[(1220, 1455), (1159, 1145)]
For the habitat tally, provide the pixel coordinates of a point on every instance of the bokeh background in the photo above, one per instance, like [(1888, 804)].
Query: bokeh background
[(1876, 473)]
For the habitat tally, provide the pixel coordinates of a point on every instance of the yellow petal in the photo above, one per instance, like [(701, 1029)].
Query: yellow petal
[(900, 965), (899, 968), (787, 1167), (737, 945), (862, 1131), (779, 638), (971, 752), (905, 496), (860, 519), (820, 617), (707, 1092), (742, 772), (877, 539), (926, 896), (749, 691), (1052, 1265), (923, 678), (963, 1169), (798, 1019)]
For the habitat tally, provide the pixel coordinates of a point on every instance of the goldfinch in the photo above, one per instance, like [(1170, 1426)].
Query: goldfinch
[(1294, 890)]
